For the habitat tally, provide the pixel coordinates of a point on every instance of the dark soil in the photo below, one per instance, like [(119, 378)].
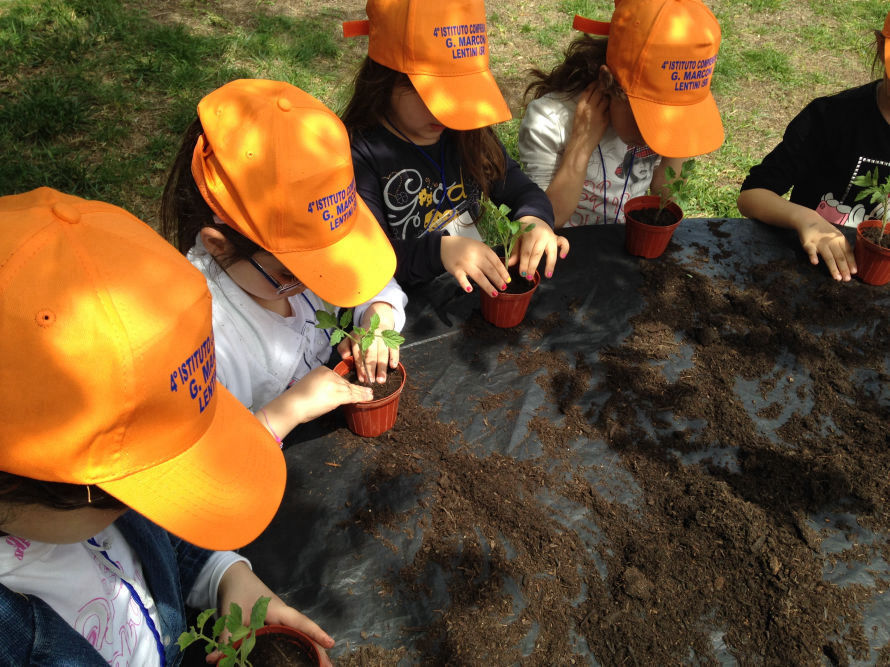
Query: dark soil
[(393, 380), (706, 549), (652, 216), (518, 284), (276, 650), (874, 235)]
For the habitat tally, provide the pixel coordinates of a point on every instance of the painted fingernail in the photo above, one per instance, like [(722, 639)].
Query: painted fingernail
[(550, 274), (522, 273), (562, 256), (504, 286), (468, 288), (494, 292), (509, 279)]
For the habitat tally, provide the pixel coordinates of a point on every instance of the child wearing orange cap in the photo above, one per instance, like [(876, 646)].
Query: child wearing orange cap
[(826, 146), (262, 199), (424, 152), (621, 107), (115, 432)]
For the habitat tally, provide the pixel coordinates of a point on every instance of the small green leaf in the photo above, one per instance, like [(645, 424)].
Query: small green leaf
[(366, 343), (258, 613), (325, 319), (203, 616), (391, 338), (247, 645), (238, 633), (375, 322), (186, 639), (219, 625), (228, 661), (233, 619), (336, 336), (346, 319)]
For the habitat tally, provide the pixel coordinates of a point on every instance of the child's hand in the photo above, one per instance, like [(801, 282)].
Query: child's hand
[(590, 121), (241, 586), (317, 393), (536, 242), (378, 355), (820, 237), (467, 258)]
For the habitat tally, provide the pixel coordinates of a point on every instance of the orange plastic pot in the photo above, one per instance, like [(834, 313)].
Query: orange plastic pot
[(507, 310), (307, 647), (371, 418), (872, 260), (642, 239)]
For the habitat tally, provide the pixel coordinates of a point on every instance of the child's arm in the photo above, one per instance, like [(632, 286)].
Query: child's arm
[(538, 145), (315, 394), (659, 177), (817, 235), (240, 585), (530, 205)]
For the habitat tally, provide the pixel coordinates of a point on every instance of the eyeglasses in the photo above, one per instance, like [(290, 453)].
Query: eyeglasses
[(279, 287)]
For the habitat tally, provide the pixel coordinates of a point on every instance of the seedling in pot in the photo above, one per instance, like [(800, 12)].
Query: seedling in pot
[(237, 631), (497, 229), (877, 192), (362, 337), (675, 188)]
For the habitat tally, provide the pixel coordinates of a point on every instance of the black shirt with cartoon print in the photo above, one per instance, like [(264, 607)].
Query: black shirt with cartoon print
[(402, 185), (828, 144)]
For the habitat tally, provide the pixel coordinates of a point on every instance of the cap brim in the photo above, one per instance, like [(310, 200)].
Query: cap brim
[(464, 101), (353, 269), (679, 131), (219, 494)]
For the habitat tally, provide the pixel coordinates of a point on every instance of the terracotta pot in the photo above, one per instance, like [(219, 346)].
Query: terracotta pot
[(371, 418), (507, 310), (872, 260), (293, 636), (644, 240)]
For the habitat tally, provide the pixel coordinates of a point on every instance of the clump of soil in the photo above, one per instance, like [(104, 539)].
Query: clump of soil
[(381, 389), (703, 548), (277, 650), (874, 235), (653, 216)]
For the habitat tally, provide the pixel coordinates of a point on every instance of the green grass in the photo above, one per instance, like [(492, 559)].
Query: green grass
[(94, 94)]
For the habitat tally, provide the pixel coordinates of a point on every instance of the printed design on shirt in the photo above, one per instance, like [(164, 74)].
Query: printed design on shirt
[(412, 199), (19, 544), (96, 620), (632, 173), (845, 210)]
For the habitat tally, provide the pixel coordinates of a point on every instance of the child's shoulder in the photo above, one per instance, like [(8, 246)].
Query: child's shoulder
[(556, 106), (846, 99)]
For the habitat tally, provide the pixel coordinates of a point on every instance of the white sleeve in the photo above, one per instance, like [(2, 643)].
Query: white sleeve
[(204, 592), (541, 141), (392, 294)]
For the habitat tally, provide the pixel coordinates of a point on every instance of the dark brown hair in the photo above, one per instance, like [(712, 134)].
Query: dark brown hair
[(579, 68), (482, 158), (183, 210), (877, 63), (18, 490)]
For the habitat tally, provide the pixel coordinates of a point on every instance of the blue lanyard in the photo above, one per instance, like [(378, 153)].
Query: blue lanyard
[(151, 624), (633, 154), (440, 165)]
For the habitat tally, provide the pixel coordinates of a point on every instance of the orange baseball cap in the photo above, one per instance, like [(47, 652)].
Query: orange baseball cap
[(443, 48), (662, 53), (109, 373), (275, 164)]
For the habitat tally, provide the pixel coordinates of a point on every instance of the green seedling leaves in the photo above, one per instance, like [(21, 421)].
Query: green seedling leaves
[(497, 229), (361, 336), (232, 622), (675, 187), (877, 192)]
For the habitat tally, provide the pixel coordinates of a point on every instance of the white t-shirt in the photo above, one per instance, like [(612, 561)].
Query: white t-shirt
[(615, 169), (86, 590), (259, 354)]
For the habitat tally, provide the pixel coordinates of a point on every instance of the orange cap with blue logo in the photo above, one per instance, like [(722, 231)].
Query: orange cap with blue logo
[(442, 45), (275, 164), (109, 373), (663, 53)]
